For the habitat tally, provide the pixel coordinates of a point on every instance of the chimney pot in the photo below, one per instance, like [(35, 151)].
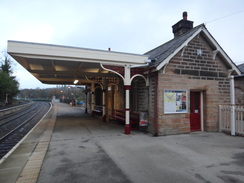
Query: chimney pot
[(185, 15)]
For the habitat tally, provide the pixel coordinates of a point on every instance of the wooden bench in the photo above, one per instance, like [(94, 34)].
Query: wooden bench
[(98, 109), (119, 115)]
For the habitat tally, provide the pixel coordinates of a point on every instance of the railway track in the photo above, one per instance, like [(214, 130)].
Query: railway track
[(14, 126)]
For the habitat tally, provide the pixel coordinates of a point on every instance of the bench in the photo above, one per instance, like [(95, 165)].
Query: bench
[(119, 115), (98, 109)]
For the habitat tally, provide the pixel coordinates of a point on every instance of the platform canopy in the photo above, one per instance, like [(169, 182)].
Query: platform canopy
[(54, 64)]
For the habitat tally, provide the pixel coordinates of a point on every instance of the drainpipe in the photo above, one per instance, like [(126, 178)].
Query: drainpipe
[(232, 102)]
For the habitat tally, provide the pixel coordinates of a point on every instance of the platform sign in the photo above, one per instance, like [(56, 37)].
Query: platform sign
[(175, 101)]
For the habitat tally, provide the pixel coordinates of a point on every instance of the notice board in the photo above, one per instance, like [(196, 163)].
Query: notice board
[(175, 101)]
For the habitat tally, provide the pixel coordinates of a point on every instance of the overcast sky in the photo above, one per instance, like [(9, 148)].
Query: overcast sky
[(133, 26)]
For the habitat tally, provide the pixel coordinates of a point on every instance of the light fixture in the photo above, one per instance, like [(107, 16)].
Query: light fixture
[(76, 81), (199, 52)]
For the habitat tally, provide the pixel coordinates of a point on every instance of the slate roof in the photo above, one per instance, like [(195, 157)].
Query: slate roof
[(241, 68), (161, 52)]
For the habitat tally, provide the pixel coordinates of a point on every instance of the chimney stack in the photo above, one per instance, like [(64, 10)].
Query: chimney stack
[(182, 26)]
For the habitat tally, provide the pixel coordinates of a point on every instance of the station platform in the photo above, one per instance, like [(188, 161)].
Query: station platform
[(71, 146), (32, 161)]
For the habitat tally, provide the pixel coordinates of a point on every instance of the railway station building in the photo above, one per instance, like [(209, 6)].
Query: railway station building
[(178, 85)]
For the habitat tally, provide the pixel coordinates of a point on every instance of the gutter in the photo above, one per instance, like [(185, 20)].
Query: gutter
[(135, 66)]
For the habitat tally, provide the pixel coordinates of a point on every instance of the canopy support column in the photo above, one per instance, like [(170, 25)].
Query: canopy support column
[(127, 84), (232, 102), (93, 99), (104, 105), (104, 100), (127, 109)]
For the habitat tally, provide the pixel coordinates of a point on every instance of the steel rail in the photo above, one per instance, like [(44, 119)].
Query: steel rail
[(17, 114), (9, 133)]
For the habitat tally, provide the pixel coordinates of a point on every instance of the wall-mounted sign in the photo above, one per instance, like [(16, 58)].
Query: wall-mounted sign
[(175, 101)]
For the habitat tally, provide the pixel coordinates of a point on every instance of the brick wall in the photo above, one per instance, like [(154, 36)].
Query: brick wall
[(190, 72), (139, 95)]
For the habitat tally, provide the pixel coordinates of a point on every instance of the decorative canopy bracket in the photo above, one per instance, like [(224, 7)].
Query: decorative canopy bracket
[(215, 53)]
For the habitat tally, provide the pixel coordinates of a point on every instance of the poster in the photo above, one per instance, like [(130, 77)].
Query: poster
[(175, 101)]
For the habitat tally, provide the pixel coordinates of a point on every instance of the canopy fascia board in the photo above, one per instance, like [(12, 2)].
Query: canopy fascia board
[(73, 73), (56, 52), (67, 80)]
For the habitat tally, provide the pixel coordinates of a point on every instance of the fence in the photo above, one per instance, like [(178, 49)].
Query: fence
[(225, 119)]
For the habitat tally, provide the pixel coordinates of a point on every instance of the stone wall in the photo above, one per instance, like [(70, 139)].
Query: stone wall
[(152, 105), (139, 95), (239, 90)]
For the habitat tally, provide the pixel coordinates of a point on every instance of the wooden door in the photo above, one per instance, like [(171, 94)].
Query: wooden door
[(195, 115)]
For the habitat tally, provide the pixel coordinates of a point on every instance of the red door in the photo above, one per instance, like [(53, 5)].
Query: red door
[(195, 115)]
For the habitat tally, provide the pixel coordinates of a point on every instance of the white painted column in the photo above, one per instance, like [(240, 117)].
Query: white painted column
[(127, 85), (104, 100), (93, 98), (232, 102)]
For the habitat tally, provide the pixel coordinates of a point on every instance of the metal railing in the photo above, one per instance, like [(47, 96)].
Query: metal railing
[(226, 112)]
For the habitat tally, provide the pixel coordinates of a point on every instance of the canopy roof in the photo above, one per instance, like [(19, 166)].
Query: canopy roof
[(55, 64)]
